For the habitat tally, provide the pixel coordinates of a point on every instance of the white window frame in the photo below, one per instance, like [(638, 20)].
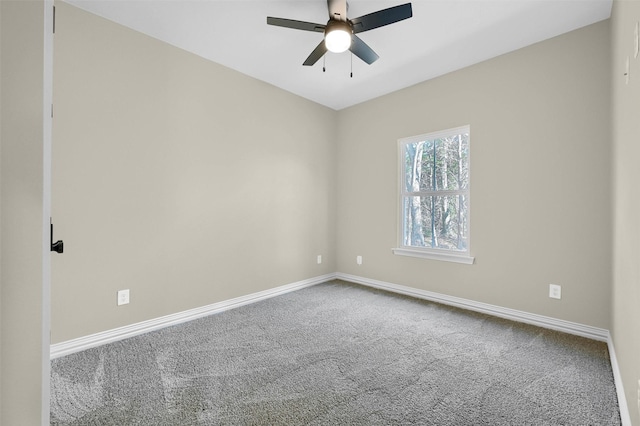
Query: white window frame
[(428, 252)]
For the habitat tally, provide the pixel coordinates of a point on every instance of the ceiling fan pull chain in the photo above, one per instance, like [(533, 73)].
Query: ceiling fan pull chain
[(351, 64), (324, 62)]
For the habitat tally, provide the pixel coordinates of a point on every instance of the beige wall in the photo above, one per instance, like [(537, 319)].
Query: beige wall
[(22, 151), (161, 157), (176, 177), (181, 180), (626, 241), (540, 179), (565, 98)]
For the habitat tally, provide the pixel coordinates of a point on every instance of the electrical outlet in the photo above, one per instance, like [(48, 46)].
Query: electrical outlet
[(555, 291), (626, 71), (359, 260), (319, 259), (123, 297)]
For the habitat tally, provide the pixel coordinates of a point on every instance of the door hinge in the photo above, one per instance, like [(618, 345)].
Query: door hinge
[(54, 19), (51, 110)]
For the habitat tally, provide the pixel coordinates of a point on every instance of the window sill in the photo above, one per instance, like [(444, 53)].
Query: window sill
[(447, 257)]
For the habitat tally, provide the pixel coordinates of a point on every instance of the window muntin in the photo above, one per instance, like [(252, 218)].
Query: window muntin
[(434, 205)]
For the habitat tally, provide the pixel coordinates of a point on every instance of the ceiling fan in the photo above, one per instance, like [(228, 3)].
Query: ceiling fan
[(340, 32)]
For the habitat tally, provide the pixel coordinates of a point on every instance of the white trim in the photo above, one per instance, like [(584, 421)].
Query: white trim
[(446, 256), (93, 340), (439, 134), (497, 311), (87, 342), (430, 253), (47, 136), (625, 417)]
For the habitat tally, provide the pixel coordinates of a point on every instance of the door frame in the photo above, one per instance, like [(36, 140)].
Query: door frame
[(47, 131)]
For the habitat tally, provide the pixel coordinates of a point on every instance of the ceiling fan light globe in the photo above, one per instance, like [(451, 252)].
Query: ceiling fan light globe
[(337, 40)]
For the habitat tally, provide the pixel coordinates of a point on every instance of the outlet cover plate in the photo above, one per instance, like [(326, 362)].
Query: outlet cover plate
[(555, 291), (123, 297), (626, 71)]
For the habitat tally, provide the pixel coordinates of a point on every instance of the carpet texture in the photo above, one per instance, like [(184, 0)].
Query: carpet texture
[(339, 354)]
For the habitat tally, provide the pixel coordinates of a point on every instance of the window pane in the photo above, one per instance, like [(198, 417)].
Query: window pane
[(436, 222), (439, 164)]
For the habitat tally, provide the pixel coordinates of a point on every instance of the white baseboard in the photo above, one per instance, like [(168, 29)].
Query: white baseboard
[(497, 311), (80, 344), (76, 345), (617, 378)]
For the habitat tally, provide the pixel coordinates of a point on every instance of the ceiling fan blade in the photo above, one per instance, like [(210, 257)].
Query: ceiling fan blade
[(317, 53), (337, 9), (362, 50), (296, 25), (382, 18)]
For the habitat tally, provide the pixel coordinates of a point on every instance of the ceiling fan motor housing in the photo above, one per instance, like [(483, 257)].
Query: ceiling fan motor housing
[(337, 36)]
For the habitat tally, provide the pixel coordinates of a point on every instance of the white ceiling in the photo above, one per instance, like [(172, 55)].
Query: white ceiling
[(442, 36)]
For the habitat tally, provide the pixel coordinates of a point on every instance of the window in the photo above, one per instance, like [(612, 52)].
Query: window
[(434, 196)]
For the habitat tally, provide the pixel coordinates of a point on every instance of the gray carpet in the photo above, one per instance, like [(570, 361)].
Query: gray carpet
[(339, 354)]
